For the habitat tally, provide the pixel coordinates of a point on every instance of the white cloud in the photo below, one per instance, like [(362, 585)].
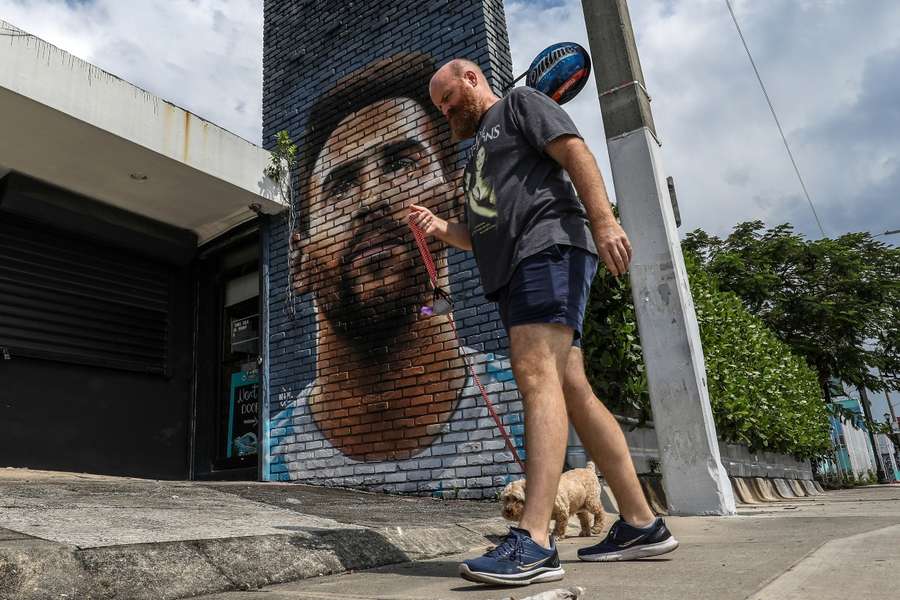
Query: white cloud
[(528, 31), (203, 55), (719, 140), (827, 65)]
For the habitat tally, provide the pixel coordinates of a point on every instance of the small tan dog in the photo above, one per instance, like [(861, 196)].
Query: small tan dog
[(578, 494)]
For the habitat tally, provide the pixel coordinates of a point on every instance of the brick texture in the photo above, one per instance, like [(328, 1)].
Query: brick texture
[(365, 392)]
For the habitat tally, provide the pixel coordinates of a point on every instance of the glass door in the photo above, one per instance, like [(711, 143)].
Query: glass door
[(237, 404)]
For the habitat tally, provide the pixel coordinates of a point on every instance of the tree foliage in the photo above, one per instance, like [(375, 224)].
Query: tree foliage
[(612, 350), (836, 302), (762, 395)]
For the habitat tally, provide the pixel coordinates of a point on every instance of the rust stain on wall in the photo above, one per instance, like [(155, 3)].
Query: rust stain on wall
[(187, 136)]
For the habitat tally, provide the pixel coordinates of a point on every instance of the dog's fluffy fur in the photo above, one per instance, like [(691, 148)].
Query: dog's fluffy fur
[(578, 494)]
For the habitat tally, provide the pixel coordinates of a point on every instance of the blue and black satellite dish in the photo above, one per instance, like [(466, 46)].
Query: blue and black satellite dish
[(560, 71)]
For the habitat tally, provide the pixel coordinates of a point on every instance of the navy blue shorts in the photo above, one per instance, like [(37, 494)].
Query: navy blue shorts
[(551, 286)]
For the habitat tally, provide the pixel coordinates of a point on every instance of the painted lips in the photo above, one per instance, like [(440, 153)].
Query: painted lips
[(372, 248)]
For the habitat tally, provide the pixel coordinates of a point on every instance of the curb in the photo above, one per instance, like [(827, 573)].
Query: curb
[(35, 569)]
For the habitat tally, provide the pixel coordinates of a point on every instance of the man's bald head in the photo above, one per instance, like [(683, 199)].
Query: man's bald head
[(461, 92), (458, 67)]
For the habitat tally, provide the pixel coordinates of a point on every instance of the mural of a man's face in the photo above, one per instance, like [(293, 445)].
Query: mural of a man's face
[(374, 164), (361, 263)]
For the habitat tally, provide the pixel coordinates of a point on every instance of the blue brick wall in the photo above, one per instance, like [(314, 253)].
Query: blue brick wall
[(312, 46)]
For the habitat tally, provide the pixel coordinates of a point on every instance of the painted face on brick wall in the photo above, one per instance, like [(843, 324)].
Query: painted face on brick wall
[(375, 163), (384, 386)]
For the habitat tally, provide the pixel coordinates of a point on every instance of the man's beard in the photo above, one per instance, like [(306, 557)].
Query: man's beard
[(465, 119)]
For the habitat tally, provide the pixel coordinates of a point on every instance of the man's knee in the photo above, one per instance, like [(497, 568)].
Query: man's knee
[(538, 352), (576, 386), (533, 375), (577, 396)]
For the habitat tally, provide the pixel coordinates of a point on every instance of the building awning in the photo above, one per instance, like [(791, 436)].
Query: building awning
[(70, 124)]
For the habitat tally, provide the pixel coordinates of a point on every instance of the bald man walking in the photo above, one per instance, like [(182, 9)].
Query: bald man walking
[(536, 242)]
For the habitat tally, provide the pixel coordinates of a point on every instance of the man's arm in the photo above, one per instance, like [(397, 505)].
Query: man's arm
[(450, 232), (575, 157)]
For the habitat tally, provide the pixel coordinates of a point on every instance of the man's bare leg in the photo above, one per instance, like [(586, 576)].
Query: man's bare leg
[(603, 438), (539, 354)]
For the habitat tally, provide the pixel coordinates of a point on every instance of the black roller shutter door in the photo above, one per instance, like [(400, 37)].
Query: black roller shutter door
[(67, 299)]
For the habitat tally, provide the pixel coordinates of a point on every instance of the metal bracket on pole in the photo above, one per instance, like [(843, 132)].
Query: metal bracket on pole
[(622, 86)]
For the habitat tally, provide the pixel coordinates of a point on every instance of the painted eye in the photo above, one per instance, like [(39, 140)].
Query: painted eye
[(400, 164), (340, 188)]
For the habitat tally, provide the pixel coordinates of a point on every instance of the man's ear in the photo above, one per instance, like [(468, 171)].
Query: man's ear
[(297, 260)]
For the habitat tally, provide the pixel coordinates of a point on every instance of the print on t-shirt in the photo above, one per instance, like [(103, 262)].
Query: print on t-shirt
[(519, 200), (480, 193)]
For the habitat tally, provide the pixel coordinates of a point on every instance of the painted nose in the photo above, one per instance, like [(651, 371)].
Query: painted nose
[(369, 188)]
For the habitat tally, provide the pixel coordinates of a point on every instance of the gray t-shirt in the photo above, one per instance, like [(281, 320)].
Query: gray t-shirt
[(519, 201)]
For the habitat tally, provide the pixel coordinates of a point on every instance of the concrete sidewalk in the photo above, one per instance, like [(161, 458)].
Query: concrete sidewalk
[(73, 536), (845, 544), (79, 536)]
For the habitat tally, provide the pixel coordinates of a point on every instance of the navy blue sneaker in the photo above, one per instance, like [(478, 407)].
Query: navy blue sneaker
[(624, 542), (518, 560)]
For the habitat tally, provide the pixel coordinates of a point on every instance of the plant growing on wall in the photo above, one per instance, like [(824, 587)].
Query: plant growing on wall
[(281, 169)]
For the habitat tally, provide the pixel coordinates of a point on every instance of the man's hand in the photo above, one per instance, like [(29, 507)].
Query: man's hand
[(427, 221), (455, 234), (613, 246)]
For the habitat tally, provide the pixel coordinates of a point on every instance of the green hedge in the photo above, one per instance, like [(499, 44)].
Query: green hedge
[(762, 395)]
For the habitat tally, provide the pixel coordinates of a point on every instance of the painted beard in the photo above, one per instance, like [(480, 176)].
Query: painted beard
[(367, 313)]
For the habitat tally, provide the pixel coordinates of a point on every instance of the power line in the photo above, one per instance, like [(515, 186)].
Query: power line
[(775, 116)]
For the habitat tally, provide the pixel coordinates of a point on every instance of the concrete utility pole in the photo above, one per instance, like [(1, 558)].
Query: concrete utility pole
[(867, 411), (693, 476), (894, 423), (895, 426)]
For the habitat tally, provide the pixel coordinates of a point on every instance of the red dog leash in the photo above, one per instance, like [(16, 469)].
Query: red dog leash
[(440, 294)]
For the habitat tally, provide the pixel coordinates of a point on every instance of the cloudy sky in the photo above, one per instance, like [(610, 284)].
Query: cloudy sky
[(830, 68)]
